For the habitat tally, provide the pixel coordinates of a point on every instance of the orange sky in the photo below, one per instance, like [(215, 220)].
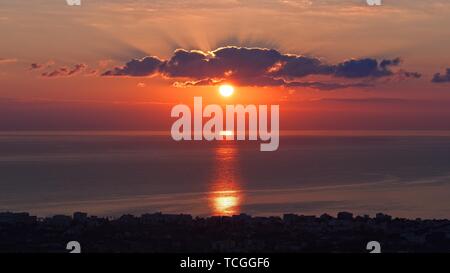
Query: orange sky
[(104, 34)]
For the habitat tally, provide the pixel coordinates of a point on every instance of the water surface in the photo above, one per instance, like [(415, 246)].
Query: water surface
[(111, 173)]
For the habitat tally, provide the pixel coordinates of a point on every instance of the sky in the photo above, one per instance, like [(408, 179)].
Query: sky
[(329, 64)]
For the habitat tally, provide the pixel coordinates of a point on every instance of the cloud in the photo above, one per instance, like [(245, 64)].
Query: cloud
[(51, 70), (39, 66), (442, 78), (136, 68), (7, 61), (267, 81), (64, 71), (407, 74), (257, 67), (328, 85), (365, 68), (35, 66)]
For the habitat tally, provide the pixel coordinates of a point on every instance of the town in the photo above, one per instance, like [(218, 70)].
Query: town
[(169, 233)]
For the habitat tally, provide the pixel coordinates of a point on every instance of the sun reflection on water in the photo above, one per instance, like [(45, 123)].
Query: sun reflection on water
[(225, 195), (226, 203)]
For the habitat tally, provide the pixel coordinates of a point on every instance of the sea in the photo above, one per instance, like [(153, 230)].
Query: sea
[(111, 173)]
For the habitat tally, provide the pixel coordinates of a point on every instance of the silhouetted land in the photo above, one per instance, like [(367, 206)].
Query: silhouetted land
[(20, 232)]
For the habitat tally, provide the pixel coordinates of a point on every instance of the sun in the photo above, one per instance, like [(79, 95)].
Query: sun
[(226, 90)]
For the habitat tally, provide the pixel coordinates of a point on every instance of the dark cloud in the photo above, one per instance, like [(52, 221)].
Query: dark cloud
[(136, 68), (188, 64), (256, 67), (328, 85), (414, 75), (64, 71), (366, 68), (384, 64), (36, 66), (442, 78), (41, 66), (292, 66)]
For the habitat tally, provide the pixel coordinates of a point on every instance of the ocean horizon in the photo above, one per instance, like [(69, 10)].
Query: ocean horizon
[(110, 173)]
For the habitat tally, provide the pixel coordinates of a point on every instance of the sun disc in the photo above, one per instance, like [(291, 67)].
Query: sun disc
[(226, 90)]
